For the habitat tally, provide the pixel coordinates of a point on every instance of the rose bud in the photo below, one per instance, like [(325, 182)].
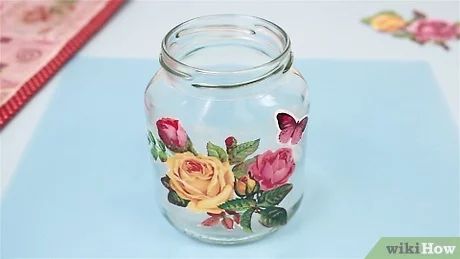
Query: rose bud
[(245, 186), (230, 142), (173, 135)]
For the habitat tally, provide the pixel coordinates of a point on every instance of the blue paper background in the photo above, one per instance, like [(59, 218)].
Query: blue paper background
[(382, 161)]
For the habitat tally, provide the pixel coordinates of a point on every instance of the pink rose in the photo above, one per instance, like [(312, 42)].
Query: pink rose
[(173, 135), (272, 169), (433, 30), (38, 14)]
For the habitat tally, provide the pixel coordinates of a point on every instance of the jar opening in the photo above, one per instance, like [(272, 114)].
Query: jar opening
[(225, 50)]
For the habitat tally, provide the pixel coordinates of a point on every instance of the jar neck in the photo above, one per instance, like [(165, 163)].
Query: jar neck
[(226, 51)]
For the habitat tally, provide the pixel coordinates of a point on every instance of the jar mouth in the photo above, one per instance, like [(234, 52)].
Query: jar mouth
[(226, 50)]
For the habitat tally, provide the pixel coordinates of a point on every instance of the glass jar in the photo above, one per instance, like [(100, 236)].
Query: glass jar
[(227, 115)]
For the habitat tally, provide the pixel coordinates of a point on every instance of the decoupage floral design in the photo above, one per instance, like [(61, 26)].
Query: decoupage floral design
[(227, 184), (45, 12), (419, 28)]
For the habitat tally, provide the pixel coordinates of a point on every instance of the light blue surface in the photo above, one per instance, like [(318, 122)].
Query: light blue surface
[(382, 160)]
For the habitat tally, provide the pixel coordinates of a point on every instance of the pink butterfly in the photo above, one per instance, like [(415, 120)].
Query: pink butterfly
[(290, 128)]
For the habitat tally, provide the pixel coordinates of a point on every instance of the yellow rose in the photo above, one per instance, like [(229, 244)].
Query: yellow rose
[(387, 22), (203, 180)]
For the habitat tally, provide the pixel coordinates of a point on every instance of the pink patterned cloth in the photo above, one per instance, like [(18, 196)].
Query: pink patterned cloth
[(33, 33)]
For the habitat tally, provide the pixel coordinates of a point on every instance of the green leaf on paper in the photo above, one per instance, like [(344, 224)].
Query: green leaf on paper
[(151, 138), (176, 200), (154, 152), (366, 20), (238, 204), (165, 181), (273, 216), (241, 169), (275, 196), (245, 221), (161, 145), (242, 151), (401, 34), (216, 151), (162, 155)]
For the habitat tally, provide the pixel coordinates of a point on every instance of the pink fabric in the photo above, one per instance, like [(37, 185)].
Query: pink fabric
[(33, 33)]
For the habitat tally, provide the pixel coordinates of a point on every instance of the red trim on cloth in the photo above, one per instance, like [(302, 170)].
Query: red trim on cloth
[(36, 82)]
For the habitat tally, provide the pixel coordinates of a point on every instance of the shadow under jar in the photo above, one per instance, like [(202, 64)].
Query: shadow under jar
[(227, 117)]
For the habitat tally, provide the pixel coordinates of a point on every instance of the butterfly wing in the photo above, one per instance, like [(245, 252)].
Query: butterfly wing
[(287, 125), (298, 131)]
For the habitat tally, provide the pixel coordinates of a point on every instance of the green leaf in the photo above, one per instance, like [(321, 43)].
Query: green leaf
[(242, 151), (216, 151), (176, 200), (275, 196), (150, 137), (165, 181), (161, 145), (366, 20), (401, 34), (163, 156), (241, 169), (238, 204), (273, 216), (154, 152), (245, 221)]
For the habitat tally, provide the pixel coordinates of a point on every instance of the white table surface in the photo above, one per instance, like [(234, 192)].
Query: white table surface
[(317, 30)]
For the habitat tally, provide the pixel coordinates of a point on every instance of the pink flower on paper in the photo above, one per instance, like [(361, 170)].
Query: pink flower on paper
[(272, 169), (425, 30), (39, 13), (28, 54), (4, 39), (173, 135)]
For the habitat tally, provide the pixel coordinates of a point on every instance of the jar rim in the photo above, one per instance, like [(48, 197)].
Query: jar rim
[(286, 44)]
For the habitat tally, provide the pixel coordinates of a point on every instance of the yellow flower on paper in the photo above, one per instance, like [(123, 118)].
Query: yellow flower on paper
[(203, 180), (386, 22)]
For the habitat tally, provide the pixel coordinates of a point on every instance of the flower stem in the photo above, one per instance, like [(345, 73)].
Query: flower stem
[(192, 149)]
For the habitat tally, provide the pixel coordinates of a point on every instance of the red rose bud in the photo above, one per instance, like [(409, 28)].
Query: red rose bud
[(228, 223), (230, 142), (173, 135), (245, 186)]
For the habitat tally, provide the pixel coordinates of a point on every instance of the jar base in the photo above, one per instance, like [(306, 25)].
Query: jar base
[(226, 240), (218, 240)]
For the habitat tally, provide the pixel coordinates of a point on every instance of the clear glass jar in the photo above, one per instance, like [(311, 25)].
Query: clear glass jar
[(227, 115)]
